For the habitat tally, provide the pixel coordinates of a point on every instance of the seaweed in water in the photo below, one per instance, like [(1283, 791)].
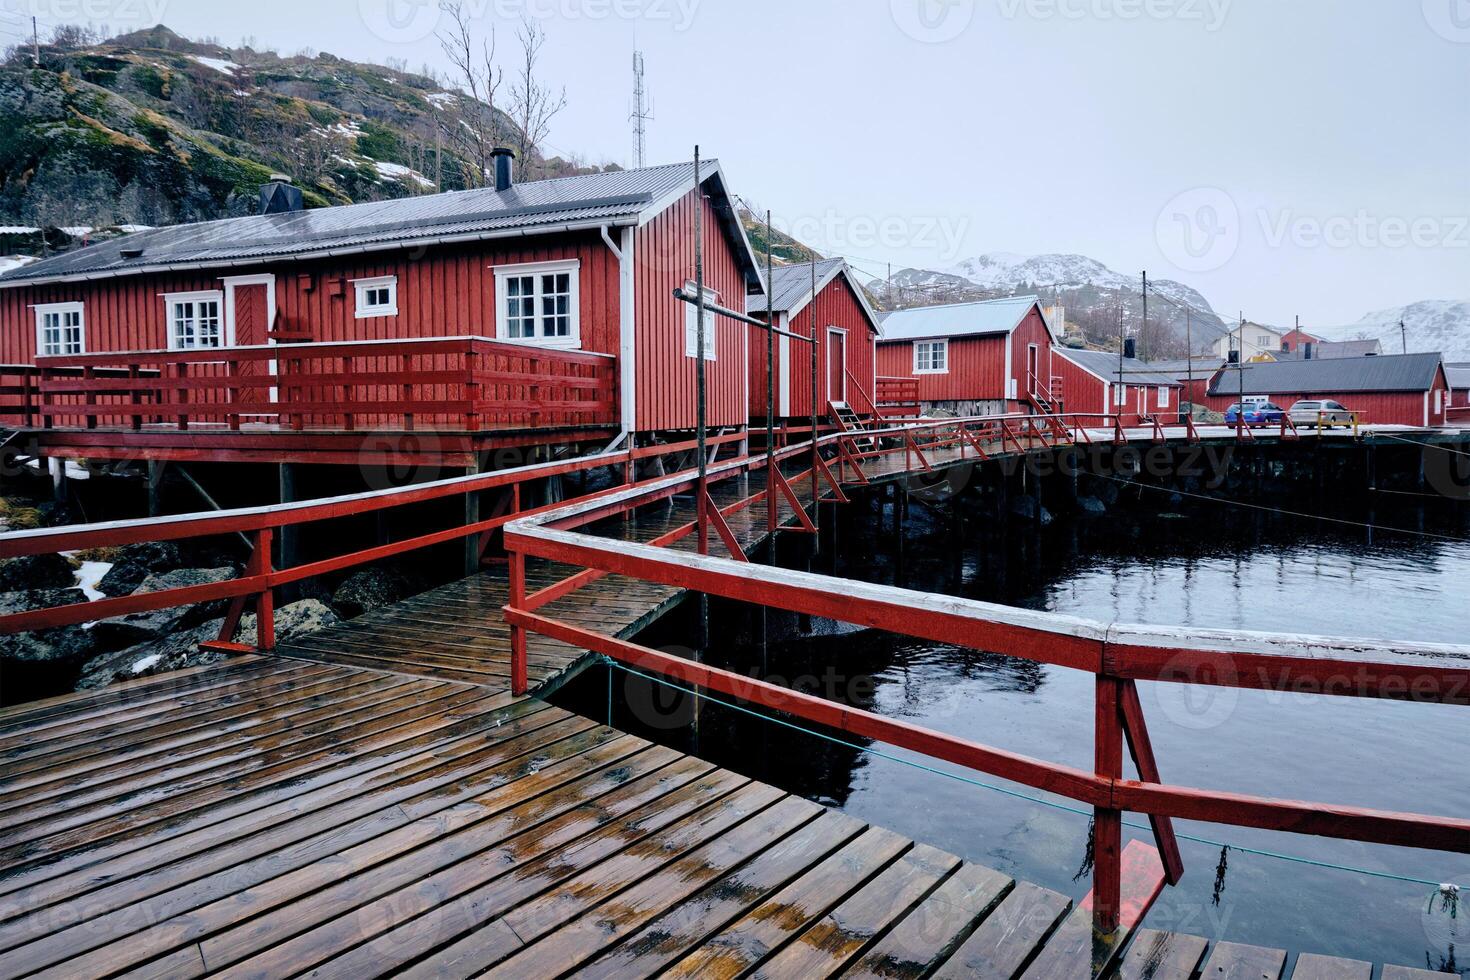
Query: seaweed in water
[(1220, 870), (1088, 855)]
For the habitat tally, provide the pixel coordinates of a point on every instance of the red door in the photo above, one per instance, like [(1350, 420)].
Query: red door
[(836, 366), (252, 324)]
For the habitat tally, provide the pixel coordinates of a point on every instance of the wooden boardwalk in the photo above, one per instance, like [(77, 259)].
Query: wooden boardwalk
[(374, 801)]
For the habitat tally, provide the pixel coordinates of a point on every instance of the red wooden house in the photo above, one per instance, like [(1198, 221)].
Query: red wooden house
[(1095, 381), (1391, 389), (515, 315), (845, 351), (1459, 381), (1295, 339), (974, 358)]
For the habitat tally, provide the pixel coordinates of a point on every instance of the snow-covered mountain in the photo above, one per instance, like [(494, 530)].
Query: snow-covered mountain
[(1429, 325), (1098, 300)]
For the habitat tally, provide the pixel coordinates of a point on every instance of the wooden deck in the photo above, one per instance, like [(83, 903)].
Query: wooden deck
[(374, 801)]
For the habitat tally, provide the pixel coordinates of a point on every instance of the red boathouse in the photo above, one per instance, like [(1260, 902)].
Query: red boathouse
[(1102, 382), (1389, 389), (846, 348), (974, 358), (536, 314)]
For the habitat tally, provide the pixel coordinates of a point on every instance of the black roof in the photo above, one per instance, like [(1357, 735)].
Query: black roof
[(618, 197), (1386, 372)]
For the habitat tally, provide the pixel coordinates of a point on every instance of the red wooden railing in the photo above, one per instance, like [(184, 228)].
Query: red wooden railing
[(897, 396), (1118, 656), (459, 383)]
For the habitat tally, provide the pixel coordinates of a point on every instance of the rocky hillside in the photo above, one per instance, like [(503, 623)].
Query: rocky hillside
[(151, 128), (1097, 299)]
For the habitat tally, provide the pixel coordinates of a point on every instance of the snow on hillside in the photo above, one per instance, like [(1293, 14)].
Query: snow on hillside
[(1431, 325), (999, 270)]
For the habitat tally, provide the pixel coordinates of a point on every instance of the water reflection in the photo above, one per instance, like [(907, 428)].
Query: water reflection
[(1168, 562)]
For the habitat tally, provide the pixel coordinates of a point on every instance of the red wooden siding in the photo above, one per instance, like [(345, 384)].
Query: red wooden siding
[(976, 369), (1086, 393), (836, 306), (1032, 330), (1379, 407), (664, 250)]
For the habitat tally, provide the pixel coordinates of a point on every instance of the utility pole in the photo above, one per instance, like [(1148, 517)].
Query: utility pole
[(1143, 330), (1240, 374), (640, 114), (35, 44), (1404, 336), (1189, 361)]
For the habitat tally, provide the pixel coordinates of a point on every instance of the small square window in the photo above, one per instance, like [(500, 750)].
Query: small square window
[(377, 297), (194, 320), (537, 302), (691, 323), (60, 329), (931, 357)]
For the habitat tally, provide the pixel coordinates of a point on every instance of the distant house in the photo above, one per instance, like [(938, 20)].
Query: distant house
[(1294, 339), (847, 332), (1326, 350), (1259, 341), (1095, 381), (1401, 389), (1459, 379), (974, 358)]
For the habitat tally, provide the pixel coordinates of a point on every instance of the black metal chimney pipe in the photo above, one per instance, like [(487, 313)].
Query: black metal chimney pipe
[(502, 155), (1130, 348)]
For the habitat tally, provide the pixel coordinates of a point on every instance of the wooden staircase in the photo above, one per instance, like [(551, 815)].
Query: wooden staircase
[(849, 422)]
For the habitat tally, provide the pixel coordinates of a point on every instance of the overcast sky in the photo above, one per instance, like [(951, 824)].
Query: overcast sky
[(1308, 157)]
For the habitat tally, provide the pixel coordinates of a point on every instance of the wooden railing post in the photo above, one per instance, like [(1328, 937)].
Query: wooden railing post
[(518, 681), (1107, 823), (265, 606)]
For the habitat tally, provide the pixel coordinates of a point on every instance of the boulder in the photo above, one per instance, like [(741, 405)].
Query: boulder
[(296, 619), (124, 631), (32, 572), (154, 556), (369, 589), (123, 578), (63, 644), (1091, 505), (180, 651), (1029, 509), (176, 651)]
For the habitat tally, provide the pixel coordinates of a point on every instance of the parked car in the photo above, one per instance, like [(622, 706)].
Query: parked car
[(1320, 412), (1256, 413)]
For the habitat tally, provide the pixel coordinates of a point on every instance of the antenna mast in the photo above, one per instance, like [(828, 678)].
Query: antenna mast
[(641, 113)]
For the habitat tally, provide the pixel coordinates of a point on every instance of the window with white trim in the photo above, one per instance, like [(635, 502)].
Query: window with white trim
[(194, 320), (1120, 394), (1163, 397), (931, 357), (691, 323), (60, 329), (536, 302), (376, 297), (1438, 400)]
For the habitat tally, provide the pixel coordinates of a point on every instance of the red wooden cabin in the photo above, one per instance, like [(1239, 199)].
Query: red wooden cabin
[(974, 358), (1102, 382), (518, 315), (847, 334), (1458, 376), (1295, 339), (1390, 389)]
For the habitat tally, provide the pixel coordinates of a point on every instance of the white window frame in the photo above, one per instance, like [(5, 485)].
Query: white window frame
[(830, 346), (362, 309), (1120, 395), (171, 300), (940, 345), (691, 324), (504, 273), (1163, 396), (61, 309), (1438, 400)]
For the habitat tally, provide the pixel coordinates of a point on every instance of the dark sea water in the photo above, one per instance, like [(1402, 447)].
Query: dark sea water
[(1152, 561)]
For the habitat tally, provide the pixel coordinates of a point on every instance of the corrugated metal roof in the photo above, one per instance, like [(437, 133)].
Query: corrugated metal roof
[(1386, 372), (1458, 374), (1180, 370), (792, 285), (1106, 366), (621, 196), (957, 319)]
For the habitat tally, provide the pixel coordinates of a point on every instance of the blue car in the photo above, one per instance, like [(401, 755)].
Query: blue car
[(1256, 413)]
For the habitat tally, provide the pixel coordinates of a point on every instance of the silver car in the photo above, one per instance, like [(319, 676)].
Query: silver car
[(1326, 414)]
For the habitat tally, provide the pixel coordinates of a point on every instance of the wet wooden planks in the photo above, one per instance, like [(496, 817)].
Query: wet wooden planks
[(353, 823), (1156, 955)]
